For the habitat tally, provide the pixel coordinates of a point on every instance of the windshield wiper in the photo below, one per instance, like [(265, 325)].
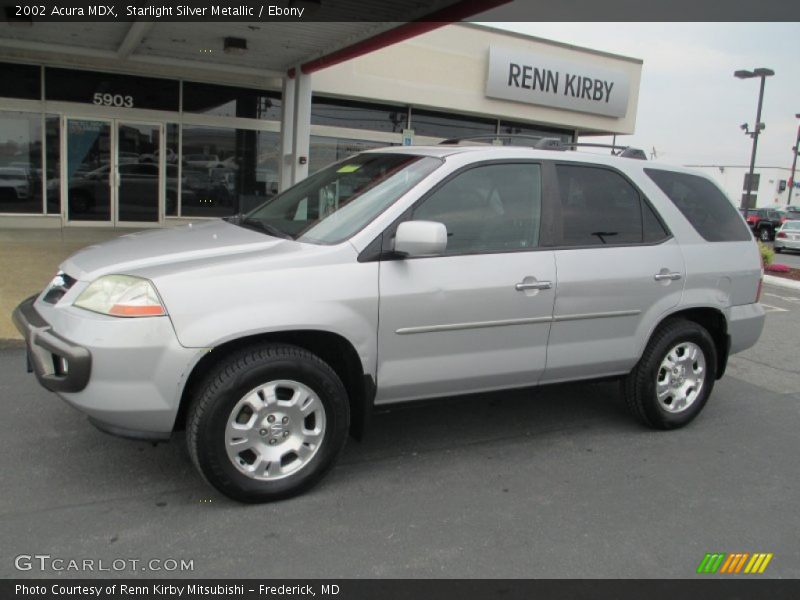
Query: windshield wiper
[(256, 224)]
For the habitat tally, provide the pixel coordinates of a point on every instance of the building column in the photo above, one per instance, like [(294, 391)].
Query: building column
[(287, 134), (302, 125)]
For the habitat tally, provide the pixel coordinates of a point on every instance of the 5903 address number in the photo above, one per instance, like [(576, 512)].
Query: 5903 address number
[(107, 99)]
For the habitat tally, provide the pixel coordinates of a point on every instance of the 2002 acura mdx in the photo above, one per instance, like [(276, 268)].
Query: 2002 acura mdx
[(396, 275)]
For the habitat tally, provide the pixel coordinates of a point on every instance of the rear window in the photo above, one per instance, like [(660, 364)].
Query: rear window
[(703, 204)]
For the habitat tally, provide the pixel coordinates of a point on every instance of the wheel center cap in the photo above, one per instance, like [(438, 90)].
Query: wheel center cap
[(678, 375), (275, 428)]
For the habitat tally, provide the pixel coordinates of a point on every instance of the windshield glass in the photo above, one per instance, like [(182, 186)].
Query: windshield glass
[(338, 201), (793, 225)]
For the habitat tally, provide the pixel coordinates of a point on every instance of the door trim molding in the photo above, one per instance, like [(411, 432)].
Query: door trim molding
[(472, 325)]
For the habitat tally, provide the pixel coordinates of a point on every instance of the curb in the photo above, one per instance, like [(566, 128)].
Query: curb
[(781, 282)]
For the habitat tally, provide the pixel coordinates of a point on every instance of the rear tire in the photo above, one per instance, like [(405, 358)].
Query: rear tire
[(764, 235), (269, 423), (778, 249), (672, 381)]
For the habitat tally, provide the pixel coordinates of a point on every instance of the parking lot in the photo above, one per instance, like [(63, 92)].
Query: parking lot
[(554, 482)]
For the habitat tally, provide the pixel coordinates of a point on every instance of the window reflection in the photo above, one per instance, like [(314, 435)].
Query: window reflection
[(226, 170), (327, 150), (20, 162)]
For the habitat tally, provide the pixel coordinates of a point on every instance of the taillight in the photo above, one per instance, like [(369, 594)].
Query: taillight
[(760, 285), (781, 234)]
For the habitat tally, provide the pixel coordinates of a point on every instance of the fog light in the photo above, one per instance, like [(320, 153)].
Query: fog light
[(61, 365)]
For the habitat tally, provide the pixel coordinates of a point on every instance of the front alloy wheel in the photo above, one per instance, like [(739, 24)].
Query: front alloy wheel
[(269, 423), (275, 430)]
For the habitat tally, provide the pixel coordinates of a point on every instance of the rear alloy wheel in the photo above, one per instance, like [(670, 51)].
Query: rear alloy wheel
[(763, 234), (675, 376), (268, 424)]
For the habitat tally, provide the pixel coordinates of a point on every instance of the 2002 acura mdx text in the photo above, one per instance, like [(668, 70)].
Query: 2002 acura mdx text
[(396, 275)]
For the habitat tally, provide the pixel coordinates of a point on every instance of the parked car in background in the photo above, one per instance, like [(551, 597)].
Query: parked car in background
[(14, 184), (203, 161), (788, 236), (399, 275), (764, 222)]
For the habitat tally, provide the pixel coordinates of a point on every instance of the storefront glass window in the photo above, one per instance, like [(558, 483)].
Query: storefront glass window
[(507, 127), (442, 125), (172, 147), (52, 129), (226, 170), (21, 81), (358, 115), (327, 150), (227, 101), (111, 89), (20, 162)]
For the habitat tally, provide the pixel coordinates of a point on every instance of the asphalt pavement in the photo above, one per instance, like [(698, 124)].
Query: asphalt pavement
[(551, 482)]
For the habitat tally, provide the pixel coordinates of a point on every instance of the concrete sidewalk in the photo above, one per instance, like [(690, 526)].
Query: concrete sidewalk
[(29, 259)]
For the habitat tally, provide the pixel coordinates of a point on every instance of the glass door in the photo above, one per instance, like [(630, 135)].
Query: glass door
[(89, 170), (139, 172), (114, 172)]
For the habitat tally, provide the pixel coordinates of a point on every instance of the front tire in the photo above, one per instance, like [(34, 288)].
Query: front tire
[(268, 423), (672, 381)]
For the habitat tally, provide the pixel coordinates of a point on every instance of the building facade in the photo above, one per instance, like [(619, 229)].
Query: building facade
[(90, 141)]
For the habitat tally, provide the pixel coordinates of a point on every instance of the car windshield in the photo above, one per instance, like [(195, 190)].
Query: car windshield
[(793, 225), (338, 201)]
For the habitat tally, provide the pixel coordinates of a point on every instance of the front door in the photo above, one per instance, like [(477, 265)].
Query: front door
[(114, 172), (477, 317)]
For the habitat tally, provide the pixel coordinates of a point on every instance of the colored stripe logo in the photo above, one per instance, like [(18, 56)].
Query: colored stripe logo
[(734, 563)]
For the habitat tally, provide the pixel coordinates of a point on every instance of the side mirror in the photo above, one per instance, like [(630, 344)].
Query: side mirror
[(420, 238)]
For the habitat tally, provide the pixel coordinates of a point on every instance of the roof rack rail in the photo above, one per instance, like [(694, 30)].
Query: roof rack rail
[(547, 143), (623, 151), (494, 138)]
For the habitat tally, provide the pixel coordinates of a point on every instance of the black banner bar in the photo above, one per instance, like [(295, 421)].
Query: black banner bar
[(253, 11), (739, 588)]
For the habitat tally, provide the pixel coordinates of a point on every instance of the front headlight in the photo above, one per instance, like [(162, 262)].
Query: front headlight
[(121, 296)]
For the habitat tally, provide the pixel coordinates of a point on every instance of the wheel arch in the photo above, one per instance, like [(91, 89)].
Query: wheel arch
[(332, 348)]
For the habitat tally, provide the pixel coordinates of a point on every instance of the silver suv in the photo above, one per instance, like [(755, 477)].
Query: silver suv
[(396, 275)]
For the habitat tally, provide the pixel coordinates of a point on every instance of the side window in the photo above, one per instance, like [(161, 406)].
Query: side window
[(492, 208), (598, 206), (708, 210), (653, 229)]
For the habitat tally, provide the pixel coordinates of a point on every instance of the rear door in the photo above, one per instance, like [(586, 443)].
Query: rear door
[(478, 316), (619, 270)]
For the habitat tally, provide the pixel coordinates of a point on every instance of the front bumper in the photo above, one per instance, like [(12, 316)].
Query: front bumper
[(59, 365), (127, 375)]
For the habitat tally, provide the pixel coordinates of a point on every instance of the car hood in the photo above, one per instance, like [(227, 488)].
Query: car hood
[(157, 247)]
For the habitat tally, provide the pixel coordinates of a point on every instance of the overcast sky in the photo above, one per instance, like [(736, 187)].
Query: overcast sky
[(690, 104)]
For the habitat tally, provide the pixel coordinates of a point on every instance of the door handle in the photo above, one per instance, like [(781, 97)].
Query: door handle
[(671, 276), (533, 285)]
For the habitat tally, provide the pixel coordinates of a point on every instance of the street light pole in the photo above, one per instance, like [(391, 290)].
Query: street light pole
[(761, 73), (795, 151)]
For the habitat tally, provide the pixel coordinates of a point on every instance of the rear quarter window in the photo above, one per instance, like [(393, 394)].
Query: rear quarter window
[(703, 204)]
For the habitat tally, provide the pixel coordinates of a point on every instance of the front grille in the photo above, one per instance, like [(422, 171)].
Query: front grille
[(58, 287)]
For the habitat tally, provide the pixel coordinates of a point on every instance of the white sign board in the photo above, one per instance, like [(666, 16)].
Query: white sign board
[(538, 79)]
